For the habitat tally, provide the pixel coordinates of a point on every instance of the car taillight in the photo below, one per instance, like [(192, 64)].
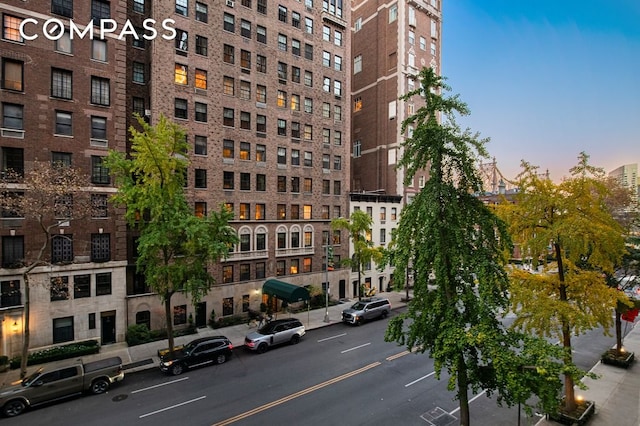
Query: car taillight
[(230, 346)]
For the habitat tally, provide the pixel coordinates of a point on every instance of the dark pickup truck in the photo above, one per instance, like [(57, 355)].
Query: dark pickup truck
[(51, 384)]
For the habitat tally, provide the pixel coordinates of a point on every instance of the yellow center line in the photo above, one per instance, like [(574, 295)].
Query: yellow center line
[(392, 357), (295, 395)]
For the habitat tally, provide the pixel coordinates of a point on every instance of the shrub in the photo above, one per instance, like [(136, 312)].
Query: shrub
[(138, 334), (230, 320), (57, 353), (212, 319)]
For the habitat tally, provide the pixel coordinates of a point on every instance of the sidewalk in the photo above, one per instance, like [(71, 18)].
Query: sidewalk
[(144, 357)]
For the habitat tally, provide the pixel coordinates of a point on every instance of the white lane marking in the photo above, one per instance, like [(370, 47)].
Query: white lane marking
[(357, 347), (173, 406), (332, 337), (161, 384), (470, 401), (421, 378)]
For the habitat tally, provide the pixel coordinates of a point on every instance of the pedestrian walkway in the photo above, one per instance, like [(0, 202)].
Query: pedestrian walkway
[(143, 357)]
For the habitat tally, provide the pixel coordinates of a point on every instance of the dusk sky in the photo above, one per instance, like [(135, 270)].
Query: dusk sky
[(547, 79)]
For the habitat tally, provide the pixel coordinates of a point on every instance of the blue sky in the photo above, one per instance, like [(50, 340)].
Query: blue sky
[(547, 79)]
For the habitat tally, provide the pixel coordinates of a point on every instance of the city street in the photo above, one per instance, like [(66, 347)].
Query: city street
[(338, 373)]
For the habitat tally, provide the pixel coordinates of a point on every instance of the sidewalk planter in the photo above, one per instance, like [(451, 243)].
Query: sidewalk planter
[(617, 359), (580, 416)]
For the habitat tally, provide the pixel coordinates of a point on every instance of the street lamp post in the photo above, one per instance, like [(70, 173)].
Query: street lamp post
[(326, 280)]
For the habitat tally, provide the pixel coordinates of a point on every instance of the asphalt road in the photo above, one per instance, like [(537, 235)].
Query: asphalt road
[(336, 375)]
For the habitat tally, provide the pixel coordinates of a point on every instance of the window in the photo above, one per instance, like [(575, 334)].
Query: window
[(307, 186), (337, 62), (282, 211), (99, 172), (261, 34), (308, 78), (227, 180), (308, 105), (412, 37), (308, 159), (200, 145), (61, 84), (200, 209), (202, 45), (295, 74), (337, 187), (245, 272), (337, 162), (261, 211), (62, 8), (261, 182), (11, 28), (227, 274), (326, 33), (260, 270), (138, 40), (13, 161), (295, 19), (179, 314), (337, 88), (262, 7), (394, 213), (282, 42), (326, 84), (282, 13), (65, 45), (10, 294), (100, 9), (63, 209), (282, 127), (245, 59), (308, 25), (357, 103), (103, 283), (324, 213), (261, 153), (201, 79), (337, 113), (245, 211), (383, 214), (245, 28), (280, 267), (99, 206), (229, 22), (294, 268), (281, 238), (393, 13), (306, 212), (181, 41), (201, 12), (98, 128), (282, 71), (228, 86), (295, 211), (228, 55), (295, 47), (245, 90), (261, 239), (63, 123), (100, 91), (180, 108), (138, 6), (282, 184), (282, 155), (326, 110), (101, 250), (282, 99), (295, 185), (200, 178), (295, 157), (308, 51), (337, 38), (326, 186), (306, 262), (245, 181), (60, 159), (201, 112), (63, 329), (295, 130), (12, 251), (62, 248), (12, 75), (228, 117), (245, 151), (261, 123), (261, 64), (326, 58), (326, 161), (138, 72), (357, 64), (228, 147), (308, 132), (182, 7)]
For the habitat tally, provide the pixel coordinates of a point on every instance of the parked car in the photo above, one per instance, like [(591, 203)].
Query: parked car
[(47, 385), (366, 310), (274, 333), (199, 352)]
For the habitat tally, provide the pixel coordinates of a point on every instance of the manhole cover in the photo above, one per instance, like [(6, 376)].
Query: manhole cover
[(119, 398), (438, 417)]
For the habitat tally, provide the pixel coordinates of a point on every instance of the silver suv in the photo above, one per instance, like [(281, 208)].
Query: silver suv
[(276, 332), (365, 310)]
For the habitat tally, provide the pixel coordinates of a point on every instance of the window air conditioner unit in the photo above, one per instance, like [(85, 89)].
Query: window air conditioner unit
[(147, 113), (231, 3)]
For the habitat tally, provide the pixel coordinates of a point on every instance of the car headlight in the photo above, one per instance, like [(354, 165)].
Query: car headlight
[(167, 363)]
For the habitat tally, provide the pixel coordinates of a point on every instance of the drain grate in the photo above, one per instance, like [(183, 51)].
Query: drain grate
[(438, 417)]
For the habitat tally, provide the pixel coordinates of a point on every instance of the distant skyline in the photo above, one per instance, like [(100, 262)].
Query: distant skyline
[(547, 79)]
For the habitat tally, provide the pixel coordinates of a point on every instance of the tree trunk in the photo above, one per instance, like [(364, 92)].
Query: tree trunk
[(570, 398), (618, 331), (463, 397), (25, 335), (167, 313)]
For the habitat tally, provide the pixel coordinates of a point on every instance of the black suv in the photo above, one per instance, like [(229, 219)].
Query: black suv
[(199, 352)]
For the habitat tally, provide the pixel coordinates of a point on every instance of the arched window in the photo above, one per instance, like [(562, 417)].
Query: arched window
[(244, 233)]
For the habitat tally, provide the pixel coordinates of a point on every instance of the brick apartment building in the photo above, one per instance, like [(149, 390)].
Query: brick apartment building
[(262, 89)]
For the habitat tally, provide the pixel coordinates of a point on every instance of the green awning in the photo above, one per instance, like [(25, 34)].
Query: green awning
[(285, 291)]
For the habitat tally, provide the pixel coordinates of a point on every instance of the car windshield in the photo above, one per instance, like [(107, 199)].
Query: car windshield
[(29, 379), (266, 329), (358, 306), (188, 348)]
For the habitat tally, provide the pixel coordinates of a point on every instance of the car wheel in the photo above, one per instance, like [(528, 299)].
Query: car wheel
[(221, 359), (13, 408), (359, 321), (262, 348), (384, 314), (99, 386), (295, 339), (177, 369)]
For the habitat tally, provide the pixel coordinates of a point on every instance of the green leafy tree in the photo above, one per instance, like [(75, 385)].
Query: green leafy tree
[(175, 246), (456, 247), (574, 241), (359, 228), (46, 196)]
